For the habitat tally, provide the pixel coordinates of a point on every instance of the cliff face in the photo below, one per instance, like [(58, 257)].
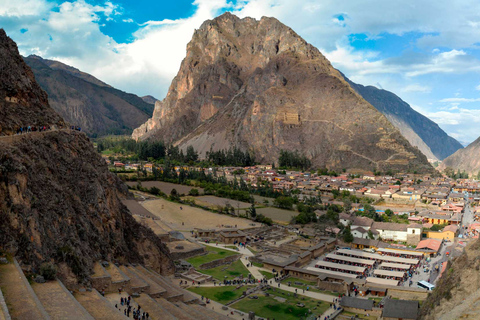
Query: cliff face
[(83, 100), (259, 86), (420, 131), (467, 159), (58, 201), (457, 293), (22, 101)]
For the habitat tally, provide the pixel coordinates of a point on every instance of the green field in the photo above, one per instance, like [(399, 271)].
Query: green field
[(310, 284), (269, 307), (214, 253), (266, 274), (222, 294), (228, 271)]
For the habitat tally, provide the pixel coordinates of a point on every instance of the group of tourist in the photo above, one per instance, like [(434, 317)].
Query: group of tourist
[(137, 313), (27, 129)]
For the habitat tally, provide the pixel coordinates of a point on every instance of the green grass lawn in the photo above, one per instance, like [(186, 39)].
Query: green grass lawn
[(252, 250), (310, 284), (220, 293), (269, 307), (213, 253), (267, 274), (228, 271), (359, 315), (256, 264)]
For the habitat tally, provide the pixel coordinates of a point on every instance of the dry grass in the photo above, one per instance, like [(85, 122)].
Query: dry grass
[(185, 218)]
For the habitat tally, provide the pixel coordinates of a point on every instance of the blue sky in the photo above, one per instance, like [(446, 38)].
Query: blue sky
[(427, 52)]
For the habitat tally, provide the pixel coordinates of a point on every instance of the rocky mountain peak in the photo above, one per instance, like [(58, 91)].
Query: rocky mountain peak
[(257, 85)]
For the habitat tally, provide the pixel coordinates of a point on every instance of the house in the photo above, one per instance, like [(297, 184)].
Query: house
[(400, 309), (448, 233), (357, 305), (430, 245), (232, 236), (363, 222), (408, 194), (410, 233)]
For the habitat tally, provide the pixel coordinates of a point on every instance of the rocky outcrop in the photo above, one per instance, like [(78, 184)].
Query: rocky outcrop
[(466, 159), (83, 100), (22, 101), (58, 201), (258, 86), (420, 131), (457, 292)]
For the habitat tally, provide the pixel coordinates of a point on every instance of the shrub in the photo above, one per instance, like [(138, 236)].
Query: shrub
[(48, 271)]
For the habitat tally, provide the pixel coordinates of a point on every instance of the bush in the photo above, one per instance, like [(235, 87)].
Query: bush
[(193, 192), (48, 271)]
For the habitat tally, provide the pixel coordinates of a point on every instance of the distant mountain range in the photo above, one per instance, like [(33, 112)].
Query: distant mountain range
[(83, 100), (415, 127)]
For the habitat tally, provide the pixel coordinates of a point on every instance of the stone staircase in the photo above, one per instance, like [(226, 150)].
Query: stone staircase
[(59, 302), (21, 301), (154, 293)]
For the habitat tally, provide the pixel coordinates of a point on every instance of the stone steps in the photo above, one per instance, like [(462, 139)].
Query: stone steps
[(172, 294), (173, 309), (4, 314), (154, 309), (155, 290), (137, 285), (98, 306), (116, 274), (210, 313), (21, 301), (59, 302), (192, 312)]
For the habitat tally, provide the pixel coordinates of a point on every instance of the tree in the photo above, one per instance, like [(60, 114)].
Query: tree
[(370, 234), (155, 191), (174, 196), (347, 204), (284, 202), (347, 235), (252, 211)]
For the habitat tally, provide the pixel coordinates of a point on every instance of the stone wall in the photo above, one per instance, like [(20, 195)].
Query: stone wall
[(187, 254), (219, 262), (406, 294), (332, 286)]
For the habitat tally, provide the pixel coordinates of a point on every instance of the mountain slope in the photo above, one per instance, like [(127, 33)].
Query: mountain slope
[(467, 159), (22, 101), (259, 86), (418, 129), (58, 201), (83, 100)]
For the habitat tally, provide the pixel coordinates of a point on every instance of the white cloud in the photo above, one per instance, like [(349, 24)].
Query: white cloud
[(72, 34), (460, 100), (417, 88)]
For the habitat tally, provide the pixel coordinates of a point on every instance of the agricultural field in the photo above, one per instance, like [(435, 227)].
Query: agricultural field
[(281, 305), (213, 202), (165, 187), (212, 254), (185, 218), (278, 215)]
